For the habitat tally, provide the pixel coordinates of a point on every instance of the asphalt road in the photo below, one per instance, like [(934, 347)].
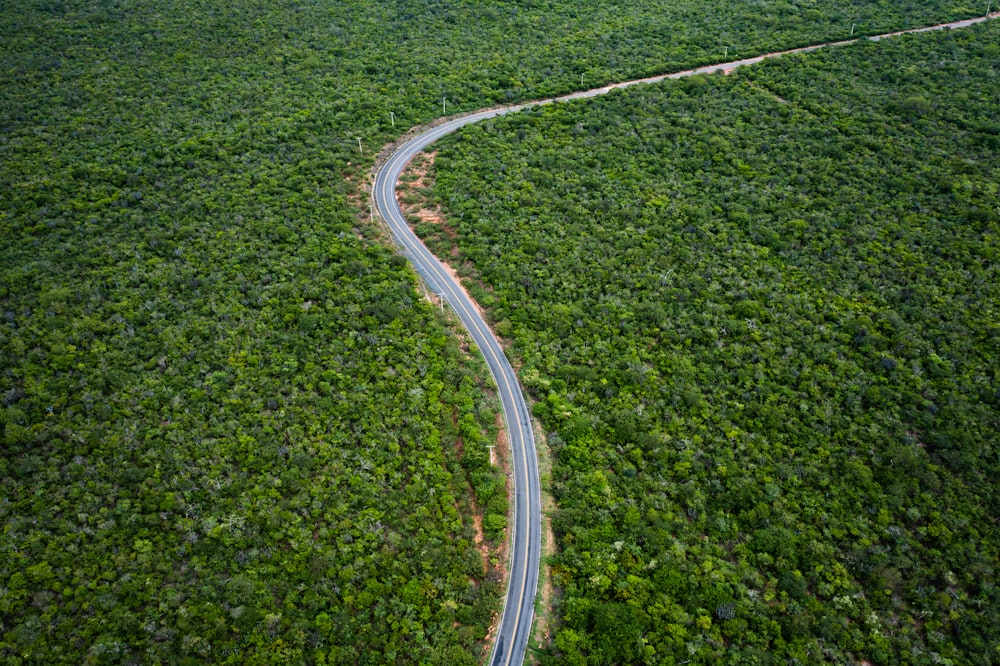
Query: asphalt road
[(515, 624), (526, 533)]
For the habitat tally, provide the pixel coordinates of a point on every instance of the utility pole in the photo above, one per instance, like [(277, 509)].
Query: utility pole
[(371, 211), (725, 55), (441, 301), (444, 106), (988, 6), (852, 29), (360, 149), (392, 117), (491, 454)]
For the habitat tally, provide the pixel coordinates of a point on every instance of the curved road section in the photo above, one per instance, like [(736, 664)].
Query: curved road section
[(526, 533), (515, 624)]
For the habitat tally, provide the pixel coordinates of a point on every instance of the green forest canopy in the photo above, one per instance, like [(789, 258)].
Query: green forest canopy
[(759, 316), (224, 406)]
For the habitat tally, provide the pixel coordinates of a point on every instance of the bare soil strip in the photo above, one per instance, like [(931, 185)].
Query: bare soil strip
[(412, 194), (543, 630), (500, 551)]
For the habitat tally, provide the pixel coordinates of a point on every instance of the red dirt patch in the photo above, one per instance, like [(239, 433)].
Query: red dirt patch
[(412, 192), (501, 552)]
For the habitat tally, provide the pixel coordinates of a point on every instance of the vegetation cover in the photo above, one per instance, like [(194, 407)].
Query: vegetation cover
[(229, 421), (759, 315)]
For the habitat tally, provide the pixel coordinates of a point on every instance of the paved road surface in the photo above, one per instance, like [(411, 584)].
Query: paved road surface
[(526, 535), (515, 624)]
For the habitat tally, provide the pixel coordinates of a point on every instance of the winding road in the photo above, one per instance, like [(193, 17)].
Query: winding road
[(525, 552), (526, 533)]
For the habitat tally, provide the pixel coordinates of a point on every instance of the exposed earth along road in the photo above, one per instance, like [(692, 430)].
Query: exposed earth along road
[(515, 624)]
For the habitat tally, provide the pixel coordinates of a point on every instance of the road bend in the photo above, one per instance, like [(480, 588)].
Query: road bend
[(525, 533)]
